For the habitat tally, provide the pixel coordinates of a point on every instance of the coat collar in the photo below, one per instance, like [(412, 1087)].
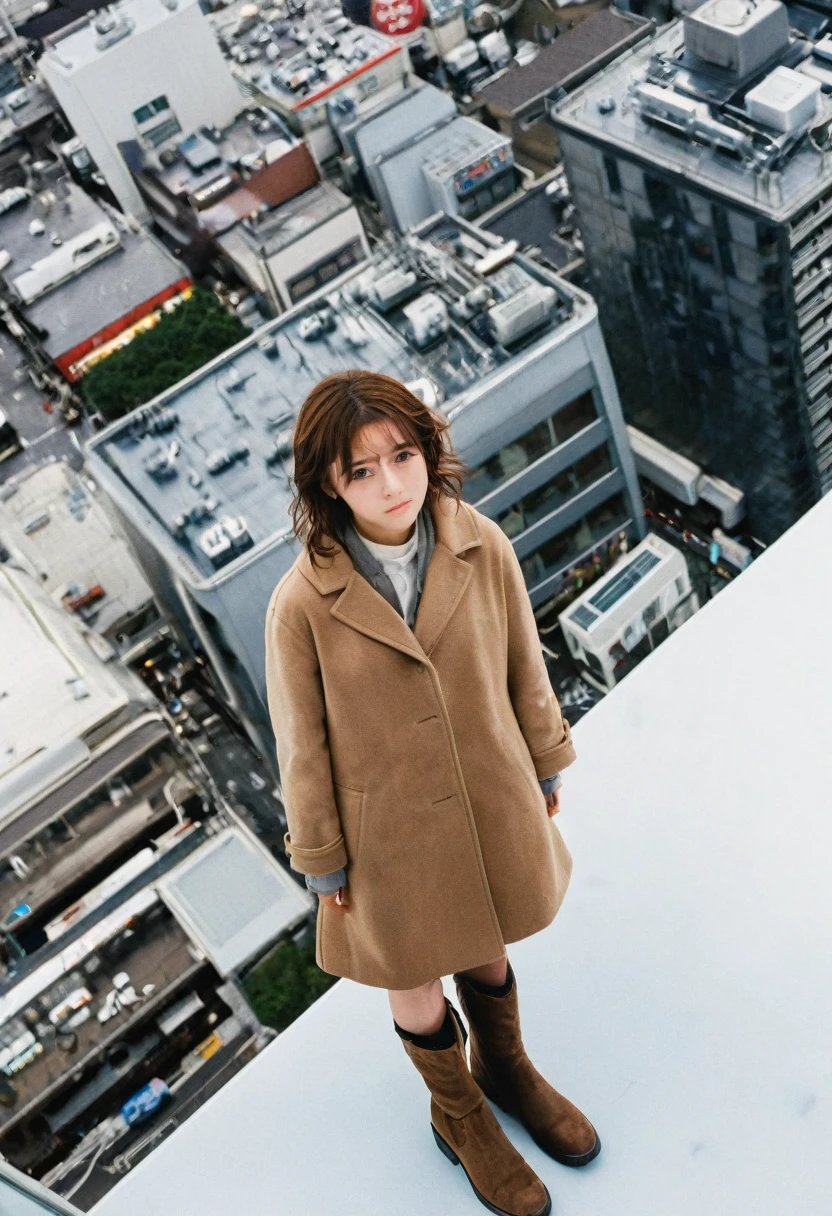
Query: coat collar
[(362, 608)]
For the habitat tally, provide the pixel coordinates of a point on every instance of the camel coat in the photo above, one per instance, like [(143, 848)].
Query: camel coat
[(413, 756)]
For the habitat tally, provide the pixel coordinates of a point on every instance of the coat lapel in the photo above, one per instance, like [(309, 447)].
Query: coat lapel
[(362, 608)]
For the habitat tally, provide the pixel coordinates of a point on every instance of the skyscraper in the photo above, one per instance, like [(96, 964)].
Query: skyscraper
[(700, 167)]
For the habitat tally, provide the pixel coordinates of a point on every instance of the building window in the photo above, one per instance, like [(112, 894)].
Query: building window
[(560, 551), (482, 198), (554, 493), (156, 121), (323, 272), (613, 177), (531, 445)]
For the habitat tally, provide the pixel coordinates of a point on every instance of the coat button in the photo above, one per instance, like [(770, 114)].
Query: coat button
[(420, 667)]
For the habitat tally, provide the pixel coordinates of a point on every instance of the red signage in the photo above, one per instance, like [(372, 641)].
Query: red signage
[(397, 16)]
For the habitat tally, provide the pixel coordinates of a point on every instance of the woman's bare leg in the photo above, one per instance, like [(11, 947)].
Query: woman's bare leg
[(489, 973), (419, 1010), (422, 1010)]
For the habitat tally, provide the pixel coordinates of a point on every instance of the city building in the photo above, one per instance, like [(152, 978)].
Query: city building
[(680, 997), (699, 166), (541, 218), (145, 69), (416, 155), (510, 353), (205, 181), (53, 521), (298, 250), (27, 124), (516, 98), (129, 899), (248, 202), (81, 279), (301, 64), (629, 611)]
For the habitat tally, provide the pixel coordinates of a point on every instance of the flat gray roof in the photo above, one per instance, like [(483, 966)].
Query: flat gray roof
[(252, 395), (202, 155), (102, 293), (57, 521), (274, 230), (776, 192)]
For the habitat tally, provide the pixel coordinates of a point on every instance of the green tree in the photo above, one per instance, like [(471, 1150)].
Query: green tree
[(286, 983), (195, 332)]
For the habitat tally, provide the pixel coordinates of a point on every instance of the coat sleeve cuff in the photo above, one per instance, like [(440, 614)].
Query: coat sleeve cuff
[(550, 784), (324, 860), (327, 884), (555, 759)]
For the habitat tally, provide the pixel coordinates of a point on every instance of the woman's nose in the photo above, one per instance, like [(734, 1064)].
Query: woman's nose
[(392, 480)]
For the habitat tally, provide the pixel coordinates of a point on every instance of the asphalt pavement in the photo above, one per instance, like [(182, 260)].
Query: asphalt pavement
[(43, 434)]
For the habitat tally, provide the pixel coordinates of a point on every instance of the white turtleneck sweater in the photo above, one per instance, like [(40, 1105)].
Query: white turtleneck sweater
[(400, 564)]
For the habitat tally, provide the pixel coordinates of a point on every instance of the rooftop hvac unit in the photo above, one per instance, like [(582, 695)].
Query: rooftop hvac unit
[(225, 540), (665, 468), (428, 318), (111, 27), (390, 289), (785, 100), (522, 313), (740, 35)]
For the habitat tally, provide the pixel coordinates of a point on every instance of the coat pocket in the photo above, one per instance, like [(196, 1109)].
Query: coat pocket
[(350, 804)]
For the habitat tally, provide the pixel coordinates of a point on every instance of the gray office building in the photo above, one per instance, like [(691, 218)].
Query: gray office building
[(510, 353), (700, 166)]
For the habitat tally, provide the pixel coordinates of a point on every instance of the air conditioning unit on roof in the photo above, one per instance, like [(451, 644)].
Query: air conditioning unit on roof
[(739, 35)]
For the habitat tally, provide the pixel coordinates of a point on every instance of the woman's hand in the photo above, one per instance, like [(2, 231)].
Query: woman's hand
[(338, 901), (553, 803)]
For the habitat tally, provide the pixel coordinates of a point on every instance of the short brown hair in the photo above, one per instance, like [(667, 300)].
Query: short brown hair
[(336, 409)]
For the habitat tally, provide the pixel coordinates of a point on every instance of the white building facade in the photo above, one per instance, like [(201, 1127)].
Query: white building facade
[(142, 68)]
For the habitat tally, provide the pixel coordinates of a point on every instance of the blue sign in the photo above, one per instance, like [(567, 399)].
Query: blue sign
[(145, 1102)]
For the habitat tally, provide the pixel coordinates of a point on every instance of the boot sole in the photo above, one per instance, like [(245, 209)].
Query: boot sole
[(448, 1152), (574, 1160)]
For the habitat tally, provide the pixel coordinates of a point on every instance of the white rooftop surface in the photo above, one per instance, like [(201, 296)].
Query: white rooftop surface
[(234, 899), (43, 657), (681, 997), (78, 545), (78, 47)]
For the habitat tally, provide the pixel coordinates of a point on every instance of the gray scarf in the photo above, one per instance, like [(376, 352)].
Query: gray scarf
[(371, 568)]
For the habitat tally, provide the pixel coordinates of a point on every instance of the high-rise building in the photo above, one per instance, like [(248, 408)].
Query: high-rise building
[(699, 165), (510, 353), (146, 69)]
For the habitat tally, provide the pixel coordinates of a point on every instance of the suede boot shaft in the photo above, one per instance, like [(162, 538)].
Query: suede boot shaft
[(467, 1132), (506, 1075)]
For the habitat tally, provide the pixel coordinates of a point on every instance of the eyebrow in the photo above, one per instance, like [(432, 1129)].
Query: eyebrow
[(397, 447)]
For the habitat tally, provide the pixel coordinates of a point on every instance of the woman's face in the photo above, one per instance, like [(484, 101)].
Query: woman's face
[(387, 470)]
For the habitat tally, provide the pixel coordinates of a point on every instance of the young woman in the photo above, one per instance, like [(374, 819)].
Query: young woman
[(420, 746)]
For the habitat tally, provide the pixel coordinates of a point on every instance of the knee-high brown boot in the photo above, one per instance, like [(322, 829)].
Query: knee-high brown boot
[(467, 1132), (506, 1075)]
